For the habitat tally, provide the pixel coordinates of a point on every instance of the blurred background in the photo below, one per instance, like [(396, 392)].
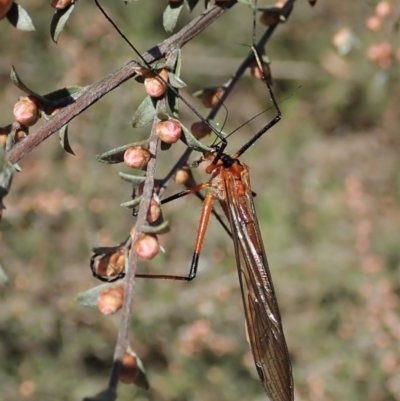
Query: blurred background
[(327, 179)]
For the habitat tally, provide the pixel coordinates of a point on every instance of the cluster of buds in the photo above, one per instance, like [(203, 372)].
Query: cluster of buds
[(382, 54), (382, 11)]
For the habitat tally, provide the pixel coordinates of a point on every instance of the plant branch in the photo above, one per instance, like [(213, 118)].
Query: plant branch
[(92, 93)]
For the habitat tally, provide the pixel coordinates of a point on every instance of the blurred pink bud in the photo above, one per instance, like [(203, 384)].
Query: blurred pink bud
[(111, 300), (384, 9), (200, 129)]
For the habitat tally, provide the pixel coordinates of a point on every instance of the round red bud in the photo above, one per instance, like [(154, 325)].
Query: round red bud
[(169, 131), (137, 157), (5, 7), (111, 300), (129, 368), (147, 246), (156, 87), (200, 129), (26, 112), (182, 175)]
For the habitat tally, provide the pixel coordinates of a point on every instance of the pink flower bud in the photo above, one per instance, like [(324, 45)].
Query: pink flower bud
[(200, 129), (156, 87), (169, 131), (111, 300), (147, 246), (137, 157), (373, 23), (26, 112)]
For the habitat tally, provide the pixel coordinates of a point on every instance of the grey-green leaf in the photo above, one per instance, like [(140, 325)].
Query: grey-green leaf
[(18, 17), (59, 21), (175, 81), (63, 134), (16, 80), (4, 280), (108, 394), (133, 179), (171, 15), (192, 142), (90, 297), (145, 113), (117, 155), (63, 92), (191, 4), (162, 228), (132, 203)]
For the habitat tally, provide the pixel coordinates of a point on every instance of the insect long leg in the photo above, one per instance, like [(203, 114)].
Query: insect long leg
[(201, 232)]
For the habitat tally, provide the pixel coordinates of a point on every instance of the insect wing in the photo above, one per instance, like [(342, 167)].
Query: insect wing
[(263, 321)]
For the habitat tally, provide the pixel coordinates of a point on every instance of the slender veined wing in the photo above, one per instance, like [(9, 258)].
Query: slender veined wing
[(263, 320)]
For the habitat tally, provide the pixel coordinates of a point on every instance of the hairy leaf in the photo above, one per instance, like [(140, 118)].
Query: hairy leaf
[(63, 135), (171, 15), (145, 113), (117, 155), (59, 21), (18, 17)]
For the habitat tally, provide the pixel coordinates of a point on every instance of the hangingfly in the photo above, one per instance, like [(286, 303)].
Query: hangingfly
[(230, 185)]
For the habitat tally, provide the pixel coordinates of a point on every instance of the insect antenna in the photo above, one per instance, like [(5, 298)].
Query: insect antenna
[(176, 93)]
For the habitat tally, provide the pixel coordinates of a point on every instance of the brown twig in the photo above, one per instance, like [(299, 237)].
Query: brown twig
[(92, 93)]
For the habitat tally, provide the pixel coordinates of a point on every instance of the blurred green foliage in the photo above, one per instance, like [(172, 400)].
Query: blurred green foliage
[(327, 179)]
